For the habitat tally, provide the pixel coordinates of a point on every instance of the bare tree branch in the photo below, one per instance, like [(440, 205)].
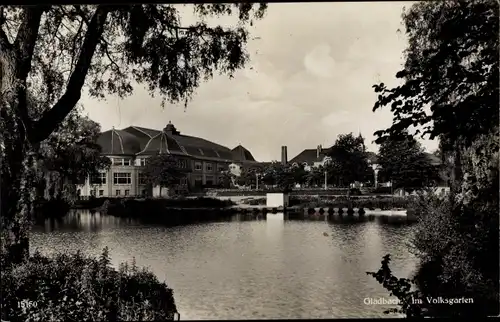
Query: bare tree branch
[(51, 118)]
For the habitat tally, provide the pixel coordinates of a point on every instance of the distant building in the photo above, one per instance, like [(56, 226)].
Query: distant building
[(312, 158), (129, 149)]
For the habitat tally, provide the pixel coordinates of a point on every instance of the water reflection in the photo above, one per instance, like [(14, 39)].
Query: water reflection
[(248, 269)]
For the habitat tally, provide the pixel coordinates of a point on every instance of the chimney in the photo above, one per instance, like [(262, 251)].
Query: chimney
[(318, 151), (284, 160)]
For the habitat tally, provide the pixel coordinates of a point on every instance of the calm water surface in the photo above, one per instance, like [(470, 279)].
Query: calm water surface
[(270, 268)]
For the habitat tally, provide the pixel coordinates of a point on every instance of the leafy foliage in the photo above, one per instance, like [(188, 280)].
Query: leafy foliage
[(400, 288), (405, 163), (71, 152), (108, 47), (247, 177), (52, 52), (284, 177), (316, 176), (163, 170), (452, 67), (349, 161), (69, 287)]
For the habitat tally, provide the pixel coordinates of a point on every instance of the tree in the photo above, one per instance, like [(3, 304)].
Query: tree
[(247, 177), (315, 176), (405, 164), (163, 170), (70, 154), (452, 68), (349, 159), (52, 52), (299, 174), (282, 176), (226, 179)]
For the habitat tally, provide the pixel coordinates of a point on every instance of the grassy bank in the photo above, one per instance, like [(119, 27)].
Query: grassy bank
[(181, 202), (74, 287), (169, 211), (384, 203), (295, 191)]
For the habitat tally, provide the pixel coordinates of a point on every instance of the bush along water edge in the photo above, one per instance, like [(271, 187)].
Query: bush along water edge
[(70, 287)]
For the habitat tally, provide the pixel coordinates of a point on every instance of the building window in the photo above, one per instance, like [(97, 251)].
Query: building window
[(127, 192), (122, 178), (143, 192), (197, 166), (99, 179), (120, 161), (141, 178), (209, 180), (221, 168), (209, 167), (198, 182), (183, 164), (101, 192), (142, 162), (117, 192)]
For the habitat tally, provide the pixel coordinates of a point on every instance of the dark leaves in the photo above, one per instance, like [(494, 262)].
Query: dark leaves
[(451, 64), (163, 170), (146, 43)]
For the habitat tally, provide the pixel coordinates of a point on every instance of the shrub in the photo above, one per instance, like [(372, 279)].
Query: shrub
[(384, 203), (68, 287), (382, 190), (355, 192), (456, 240)]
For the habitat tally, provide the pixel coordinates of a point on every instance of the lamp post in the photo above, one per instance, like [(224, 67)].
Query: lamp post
[(326, 162)]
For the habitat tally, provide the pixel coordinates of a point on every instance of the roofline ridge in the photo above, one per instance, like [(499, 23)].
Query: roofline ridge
[(121, 141), (183, 149), (164, 136), (138, 129), (211, 142), (147, 144)]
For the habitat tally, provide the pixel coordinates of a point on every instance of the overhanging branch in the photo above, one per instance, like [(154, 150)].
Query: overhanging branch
[(25, 41), (50, 119)]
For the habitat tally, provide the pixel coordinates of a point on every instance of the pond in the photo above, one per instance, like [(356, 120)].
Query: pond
[(248, 269)]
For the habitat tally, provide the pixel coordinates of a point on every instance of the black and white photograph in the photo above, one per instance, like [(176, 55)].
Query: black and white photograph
[(249, 160)]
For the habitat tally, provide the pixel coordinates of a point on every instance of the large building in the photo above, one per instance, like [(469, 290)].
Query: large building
[(129, 148)]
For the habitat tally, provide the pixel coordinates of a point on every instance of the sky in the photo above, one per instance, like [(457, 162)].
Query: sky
[(309, 79)]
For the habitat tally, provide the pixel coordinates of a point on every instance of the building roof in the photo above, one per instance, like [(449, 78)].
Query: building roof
[(149, 141), (310, 156), (241, 154), (118, 142)]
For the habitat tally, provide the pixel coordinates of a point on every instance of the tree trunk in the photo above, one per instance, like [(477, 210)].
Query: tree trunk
[(17, 164), (456, 174), (16, 186)]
